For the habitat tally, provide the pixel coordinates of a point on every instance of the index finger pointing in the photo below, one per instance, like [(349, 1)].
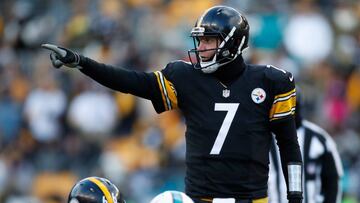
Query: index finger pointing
[(55, 49)]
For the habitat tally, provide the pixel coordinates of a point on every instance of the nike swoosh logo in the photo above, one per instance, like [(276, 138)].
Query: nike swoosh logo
[(291, 78)]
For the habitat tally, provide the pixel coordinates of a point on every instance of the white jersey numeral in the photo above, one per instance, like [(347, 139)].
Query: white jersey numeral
[(231, 109)]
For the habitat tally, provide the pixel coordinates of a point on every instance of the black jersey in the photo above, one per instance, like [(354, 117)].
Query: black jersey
[(228, 127)]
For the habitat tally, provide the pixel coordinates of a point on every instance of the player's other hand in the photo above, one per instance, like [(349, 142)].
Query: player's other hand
[(295, 200), (295, 197), (61, 56)]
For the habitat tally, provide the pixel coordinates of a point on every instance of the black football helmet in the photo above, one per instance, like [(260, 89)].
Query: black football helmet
[(95, 190), (230, 27)]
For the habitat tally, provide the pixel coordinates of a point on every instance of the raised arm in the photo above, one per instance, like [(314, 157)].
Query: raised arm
[(140, 84)]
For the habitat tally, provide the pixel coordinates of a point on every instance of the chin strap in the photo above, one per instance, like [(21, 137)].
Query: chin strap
[(209, 66)]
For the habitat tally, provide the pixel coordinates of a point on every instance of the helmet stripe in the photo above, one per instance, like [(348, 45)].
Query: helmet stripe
[(231, 33), (103, 188)]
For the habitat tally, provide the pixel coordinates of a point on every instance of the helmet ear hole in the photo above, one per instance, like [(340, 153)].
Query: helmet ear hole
[(225, 53)]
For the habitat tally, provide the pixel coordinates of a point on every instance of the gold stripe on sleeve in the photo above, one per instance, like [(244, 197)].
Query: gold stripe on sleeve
[(283, 105), (168, 92), (285, 94), (171, 93), (161, 89)]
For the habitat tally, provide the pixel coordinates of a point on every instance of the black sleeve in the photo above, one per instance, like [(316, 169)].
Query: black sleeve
[(329, 178), (140, 84), (286, 137)]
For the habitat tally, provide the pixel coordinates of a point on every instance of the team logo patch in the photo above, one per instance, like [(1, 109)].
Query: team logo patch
[(258, 95)]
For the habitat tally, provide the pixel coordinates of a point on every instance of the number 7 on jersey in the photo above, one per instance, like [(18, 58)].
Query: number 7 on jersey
[(231, 109)]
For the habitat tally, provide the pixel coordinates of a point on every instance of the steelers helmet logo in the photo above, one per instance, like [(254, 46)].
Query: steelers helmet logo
[(258, 95)]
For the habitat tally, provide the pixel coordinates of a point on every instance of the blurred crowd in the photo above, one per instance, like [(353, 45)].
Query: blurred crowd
[(58, 126)]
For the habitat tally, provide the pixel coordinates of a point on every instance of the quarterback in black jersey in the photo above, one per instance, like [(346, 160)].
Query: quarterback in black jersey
[(230, 107)]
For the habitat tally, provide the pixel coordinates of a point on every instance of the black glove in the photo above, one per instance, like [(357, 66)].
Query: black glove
[(62, 56), (295, 200), (295, 197)]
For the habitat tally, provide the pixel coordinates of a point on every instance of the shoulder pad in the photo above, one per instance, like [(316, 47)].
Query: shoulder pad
[(275, 73), (178, 66)]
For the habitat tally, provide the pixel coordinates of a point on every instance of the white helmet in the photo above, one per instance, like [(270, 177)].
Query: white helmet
[(172, 197)]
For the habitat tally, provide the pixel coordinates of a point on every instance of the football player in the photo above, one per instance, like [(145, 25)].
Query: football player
[(95, 190), (230, 107)]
